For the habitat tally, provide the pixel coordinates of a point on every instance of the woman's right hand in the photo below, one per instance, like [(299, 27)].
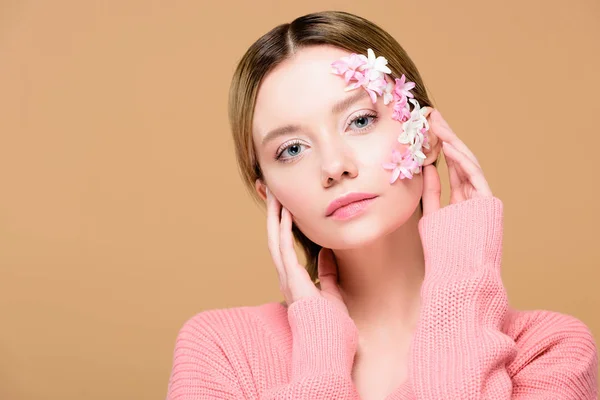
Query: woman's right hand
[(294, 280)]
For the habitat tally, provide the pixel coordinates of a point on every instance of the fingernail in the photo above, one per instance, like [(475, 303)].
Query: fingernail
[(268, 192)]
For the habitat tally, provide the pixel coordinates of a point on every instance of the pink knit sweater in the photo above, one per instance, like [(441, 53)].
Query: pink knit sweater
[(468, 343)]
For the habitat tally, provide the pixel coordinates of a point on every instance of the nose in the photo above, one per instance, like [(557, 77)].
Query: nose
[(337, 164)]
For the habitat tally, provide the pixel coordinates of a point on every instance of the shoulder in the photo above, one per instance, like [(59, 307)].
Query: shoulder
[(225, 350), (553, 344), (227, 326), (546, 326)]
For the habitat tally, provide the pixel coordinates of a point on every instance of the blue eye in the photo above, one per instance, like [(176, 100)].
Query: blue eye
[(289, 151), (363, 121)]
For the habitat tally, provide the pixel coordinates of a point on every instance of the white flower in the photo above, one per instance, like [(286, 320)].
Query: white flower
[(408, 134), (419, 156), (388, 93), (377, 66)]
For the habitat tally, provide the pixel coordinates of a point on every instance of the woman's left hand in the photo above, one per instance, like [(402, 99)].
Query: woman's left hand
[(466, 177)]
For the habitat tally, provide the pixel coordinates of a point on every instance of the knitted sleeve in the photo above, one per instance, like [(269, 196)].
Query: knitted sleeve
[(323, 349), (324, 343), (459, 350)]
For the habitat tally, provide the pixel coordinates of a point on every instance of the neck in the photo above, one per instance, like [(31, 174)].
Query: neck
[(381, 282)]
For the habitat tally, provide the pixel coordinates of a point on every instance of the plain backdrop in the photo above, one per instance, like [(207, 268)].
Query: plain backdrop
[(121, 210)]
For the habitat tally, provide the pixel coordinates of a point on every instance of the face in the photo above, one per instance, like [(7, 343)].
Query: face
[(316, 142)]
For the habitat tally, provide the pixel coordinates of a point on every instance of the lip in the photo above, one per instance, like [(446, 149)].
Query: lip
[(347, 199)]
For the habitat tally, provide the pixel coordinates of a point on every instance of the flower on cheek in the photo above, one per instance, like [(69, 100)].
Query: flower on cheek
[(402, 166)]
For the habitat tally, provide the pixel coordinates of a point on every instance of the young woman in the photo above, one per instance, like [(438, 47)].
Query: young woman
[(400, 299)]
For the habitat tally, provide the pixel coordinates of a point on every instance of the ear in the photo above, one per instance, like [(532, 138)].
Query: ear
[(261, 189), (435, 144)]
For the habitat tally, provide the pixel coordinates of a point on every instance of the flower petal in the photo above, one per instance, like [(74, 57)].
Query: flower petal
[(395, 175)]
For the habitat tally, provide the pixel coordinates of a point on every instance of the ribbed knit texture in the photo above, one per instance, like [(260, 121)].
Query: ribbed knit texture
[(468, 343)]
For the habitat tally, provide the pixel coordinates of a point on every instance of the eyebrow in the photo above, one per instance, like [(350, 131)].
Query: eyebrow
[(337, 108), (344, 104)]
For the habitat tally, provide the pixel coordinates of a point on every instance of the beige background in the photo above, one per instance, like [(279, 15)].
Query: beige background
[(121, 211)]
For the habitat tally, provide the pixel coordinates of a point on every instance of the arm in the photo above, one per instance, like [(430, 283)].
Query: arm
[(557, 358), (460, 351), (324, 345)]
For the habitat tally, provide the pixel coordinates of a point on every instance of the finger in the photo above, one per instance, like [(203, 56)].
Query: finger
[(298, 280), (432, 189), (456, 180), (286, 245), (453, 172), (273, 220), (327, 270), (443, 130), (471, 170)]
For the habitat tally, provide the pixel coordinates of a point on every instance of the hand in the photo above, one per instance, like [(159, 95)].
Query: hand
[(294, 281), (466, 177)]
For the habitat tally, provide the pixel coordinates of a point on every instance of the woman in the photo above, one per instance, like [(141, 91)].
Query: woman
[(401, 299)]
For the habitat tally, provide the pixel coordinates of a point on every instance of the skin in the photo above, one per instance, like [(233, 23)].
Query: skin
[(372, 265)]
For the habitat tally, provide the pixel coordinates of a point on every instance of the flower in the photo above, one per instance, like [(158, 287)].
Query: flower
[(348, 66), (425, 139), (388, 95), (371, 73), (375, 88), (361, 80), (402, 166), (377, 66), (401, 112), (402, 88), (408, 134)]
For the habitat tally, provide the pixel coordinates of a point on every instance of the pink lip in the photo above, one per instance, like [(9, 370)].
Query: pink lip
[(349, 205)]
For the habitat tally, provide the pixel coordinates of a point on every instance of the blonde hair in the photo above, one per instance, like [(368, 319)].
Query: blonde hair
[(335, 28)]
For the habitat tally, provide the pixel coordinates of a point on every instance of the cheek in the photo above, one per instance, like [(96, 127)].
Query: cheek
[(375, 148), (295, 191)]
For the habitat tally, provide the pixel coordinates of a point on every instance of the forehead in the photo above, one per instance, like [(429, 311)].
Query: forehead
[(300, 87)]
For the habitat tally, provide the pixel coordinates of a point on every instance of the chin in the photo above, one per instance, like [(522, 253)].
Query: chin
[(354, 233), (350, 239)]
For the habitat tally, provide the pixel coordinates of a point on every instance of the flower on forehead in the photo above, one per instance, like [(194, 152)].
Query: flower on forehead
[(360, 80), (388, 94), (377, 66), (376, 87), (348, 66), (402, 88)]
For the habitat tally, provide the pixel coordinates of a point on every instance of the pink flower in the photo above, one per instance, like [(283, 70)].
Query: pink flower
[(348, 66), (402, 166), (360, 80), (401, 112), (375, 88), (402, 88)]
